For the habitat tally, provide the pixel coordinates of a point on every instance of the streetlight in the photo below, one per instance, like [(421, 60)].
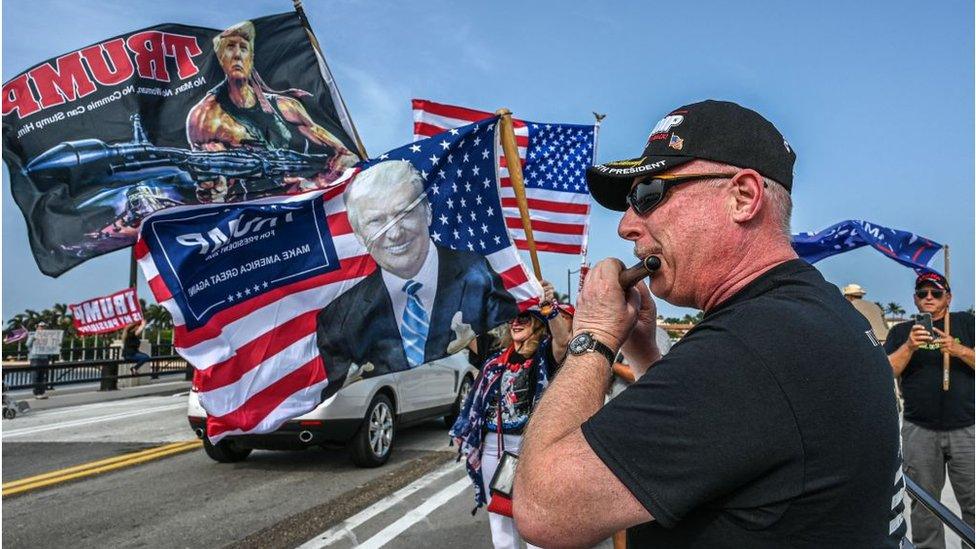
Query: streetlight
[(569, 284)]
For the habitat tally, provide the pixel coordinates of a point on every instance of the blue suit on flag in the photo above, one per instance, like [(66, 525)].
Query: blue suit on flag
[(361, 327)]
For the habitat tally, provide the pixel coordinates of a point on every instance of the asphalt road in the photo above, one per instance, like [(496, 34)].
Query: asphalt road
[(315, 498), (274, 499)]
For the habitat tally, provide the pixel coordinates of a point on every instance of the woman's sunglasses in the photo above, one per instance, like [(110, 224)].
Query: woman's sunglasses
[(648, 194), (523, 318), (922, 294)]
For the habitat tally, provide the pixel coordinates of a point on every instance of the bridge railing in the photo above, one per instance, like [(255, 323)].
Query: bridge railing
[(106, 371), (943, 513)]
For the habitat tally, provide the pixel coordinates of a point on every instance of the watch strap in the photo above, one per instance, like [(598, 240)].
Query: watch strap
[(605, 351)]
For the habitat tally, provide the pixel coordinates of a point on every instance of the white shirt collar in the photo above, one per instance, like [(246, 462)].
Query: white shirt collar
[(427, 277)]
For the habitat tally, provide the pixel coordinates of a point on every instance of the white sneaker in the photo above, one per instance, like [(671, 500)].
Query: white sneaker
[(41, 397)]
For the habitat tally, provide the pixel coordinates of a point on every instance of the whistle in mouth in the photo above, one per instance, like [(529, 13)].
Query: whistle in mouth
[(631, 275)]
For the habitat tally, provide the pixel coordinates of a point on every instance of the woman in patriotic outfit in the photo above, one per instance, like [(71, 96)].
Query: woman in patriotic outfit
[(499, 405)]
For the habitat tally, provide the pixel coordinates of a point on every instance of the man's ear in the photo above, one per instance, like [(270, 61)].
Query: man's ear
[(747, 190), (430, 213)]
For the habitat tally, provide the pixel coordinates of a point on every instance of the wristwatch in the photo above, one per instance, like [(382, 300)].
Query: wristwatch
[(586, 343)]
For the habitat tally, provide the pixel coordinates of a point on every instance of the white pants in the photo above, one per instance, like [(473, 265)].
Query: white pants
[(503, 532)]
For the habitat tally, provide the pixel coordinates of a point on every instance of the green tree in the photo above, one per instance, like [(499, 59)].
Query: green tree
[(894, 309)]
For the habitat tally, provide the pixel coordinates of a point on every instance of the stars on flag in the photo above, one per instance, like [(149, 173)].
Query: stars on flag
[(458, 168)]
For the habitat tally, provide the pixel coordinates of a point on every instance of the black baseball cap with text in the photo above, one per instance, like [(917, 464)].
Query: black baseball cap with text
[(720, 131)]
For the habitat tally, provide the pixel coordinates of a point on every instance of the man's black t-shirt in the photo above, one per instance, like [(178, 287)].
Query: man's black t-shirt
[(772, 423), (926, 404)]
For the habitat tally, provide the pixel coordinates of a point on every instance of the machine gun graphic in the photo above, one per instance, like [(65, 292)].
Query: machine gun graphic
[(137, 178), (91, 161)]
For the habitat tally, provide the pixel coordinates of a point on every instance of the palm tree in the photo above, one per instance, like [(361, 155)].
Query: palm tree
[(19, 320), (157, 316), (894, 309)]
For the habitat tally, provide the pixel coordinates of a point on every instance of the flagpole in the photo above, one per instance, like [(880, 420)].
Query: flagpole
[(327, 75), (945, 356), (515, 176), (586, 230)]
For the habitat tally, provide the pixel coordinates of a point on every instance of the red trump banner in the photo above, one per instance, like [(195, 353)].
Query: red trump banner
[(107, 314)]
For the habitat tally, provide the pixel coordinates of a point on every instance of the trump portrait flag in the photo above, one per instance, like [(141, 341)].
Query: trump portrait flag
[(279, 302)]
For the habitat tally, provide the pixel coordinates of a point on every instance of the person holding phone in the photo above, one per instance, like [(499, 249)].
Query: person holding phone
[(937, 433)]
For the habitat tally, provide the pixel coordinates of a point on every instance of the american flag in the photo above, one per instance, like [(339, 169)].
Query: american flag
[(244, 282), (554, 161)]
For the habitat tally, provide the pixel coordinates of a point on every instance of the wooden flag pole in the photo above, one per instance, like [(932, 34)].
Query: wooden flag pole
[(945, 327), (515, 175)]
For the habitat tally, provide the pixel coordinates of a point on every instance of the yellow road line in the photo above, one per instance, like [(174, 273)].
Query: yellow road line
[(93, 464), (97, 467)]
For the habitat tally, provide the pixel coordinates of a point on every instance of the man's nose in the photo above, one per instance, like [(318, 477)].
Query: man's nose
[(631, 225), (394, 232)]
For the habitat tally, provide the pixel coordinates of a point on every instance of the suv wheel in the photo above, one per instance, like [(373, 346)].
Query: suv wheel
[(466, 385), (225, 451), (372, 444)]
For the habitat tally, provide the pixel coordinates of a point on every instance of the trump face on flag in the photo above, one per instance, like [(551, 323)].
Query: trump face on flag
[(425, 300)]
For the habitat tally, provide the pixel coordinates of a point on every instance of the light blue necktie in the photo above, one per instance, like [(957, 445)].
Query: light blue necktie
[(415, 325)]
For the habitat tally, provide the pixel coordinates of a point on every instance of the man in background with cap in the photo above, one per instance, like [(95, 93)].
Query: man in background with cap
[(728, 440), (868, 309), (937, 434)]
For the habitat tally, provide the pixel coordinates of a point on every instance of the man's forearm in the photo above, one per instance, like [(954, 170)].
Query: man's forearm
[(899, 359), (967, 356), (575, 394)]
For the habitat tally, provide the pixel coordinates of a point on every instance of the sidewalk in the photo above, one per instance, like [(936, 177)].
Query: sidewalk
[(89, 393)]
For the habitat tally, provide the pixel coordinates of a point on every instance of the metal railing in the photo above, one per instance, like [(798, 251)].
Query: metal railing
[(107, 371), (943, 513), (89, 348)]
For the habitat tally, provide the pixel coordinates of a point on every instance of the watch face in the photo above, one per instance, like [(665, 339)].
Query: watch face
[(580, 344)]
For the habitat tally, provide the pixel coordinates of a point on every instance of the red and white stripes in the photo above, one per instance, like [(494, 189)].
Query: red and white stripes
[(559, 219)]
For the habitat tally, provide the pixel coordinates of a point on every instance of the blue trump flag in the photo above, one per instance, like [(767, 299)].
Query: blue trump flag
[(909, 249)]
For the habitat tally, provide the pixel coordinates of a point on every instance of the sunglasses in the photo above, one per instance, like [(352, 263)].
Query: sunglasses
[(523, 318), (922, 294), (648, 194)]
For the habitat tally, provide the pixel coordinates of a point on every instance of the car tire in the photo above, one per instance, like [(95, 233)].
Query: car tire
[(466, 384), (225, 451), (373, 443)]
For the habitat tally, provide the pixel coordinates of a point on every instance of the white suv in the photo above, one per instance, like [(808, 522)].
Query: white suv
[(366, 414)]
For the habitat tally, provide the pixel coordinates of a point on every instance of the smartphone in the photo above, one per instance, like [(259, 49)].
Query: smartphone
[(925, 320)]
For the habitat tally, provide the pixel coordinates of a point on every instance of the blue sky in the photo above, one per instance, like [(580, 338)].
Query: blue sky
[(875, 97)]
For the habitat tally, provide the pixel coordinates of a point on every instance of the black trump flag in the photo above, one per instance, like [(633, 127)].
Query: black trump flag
[(99, 138)]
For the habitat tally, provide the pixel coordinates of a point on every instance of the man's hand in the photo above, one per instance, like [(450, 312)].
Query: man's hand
[(604, 308), (949, 345), (641, 347), (917, 337)]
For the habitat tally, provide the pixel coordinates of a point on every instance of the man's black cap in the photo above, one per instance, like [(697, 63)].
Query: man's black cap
[(932, 279), (719, 131)]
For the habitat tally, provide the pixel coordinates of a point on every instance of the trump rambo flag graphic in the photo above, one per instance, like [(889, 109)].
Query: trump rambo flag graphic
[(280, 301), (99, 138)]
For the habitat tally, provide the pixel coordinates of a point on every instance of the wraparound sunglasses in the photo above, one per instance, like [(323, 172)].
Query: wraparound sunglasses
[(648, 194)]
